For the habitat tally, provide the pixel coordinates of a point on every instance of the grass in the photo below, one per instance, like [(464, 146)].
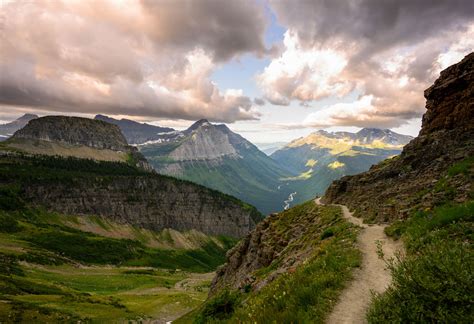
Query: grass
[(462, 167), (303, 293), (50, 272), (434, 282)]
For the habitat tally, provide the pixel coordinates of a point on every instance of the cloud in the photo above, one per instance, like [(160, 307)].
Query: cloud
[(259, 101), (149, 58), (387, 51), (303, 74)]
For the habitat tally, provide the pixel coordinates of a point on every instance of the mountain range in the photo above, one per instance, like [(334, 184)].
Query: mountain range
[(135, 132), (322, 157), (214, 156)]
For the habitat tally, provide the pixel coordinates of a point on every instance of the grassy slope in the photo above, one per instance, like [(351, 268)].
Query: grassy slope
[(250, 180), (304, 293), (434, 283)]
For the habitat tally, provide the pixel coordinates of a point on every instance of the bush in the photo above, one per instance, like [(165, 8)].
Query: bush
[(9, 198), (436, 286), (434, 283), (220, 307), (8, 224), (327, 233)]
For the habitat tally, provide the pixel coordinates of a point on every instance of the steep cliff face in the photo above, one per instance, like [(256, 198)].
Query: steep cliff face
[(125, 195), (427, 171), (449, 101)]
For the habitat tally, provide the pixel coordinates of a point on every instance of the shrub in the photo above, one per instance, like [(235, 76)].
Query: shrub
[(220, 307), (435, 286), (8, 224), (327, 233), (434, 283)]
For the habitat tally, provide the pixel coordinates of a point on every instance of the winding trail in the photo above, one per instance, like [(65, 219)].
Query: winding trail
[(373, 274)]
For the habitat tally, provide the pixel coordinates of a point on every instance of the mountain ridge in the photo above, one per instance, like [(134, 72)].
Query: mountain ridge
[(135, 132)]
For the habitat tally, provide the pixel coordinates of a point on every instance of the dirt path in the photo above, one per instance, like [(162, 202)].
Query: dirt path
[(371, 276)]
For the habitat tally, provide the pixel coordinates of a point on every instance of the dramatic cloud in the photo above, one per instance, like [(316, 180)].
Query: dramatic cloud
[(388, 51), (149, 58), (304, 75)]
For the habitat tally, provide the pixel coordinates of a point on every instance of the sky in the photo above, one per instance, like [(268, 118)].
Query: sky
[(272, 70)]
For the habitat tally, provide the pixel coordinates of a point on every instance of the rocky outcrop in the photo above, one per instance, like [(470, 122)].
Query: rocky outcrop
[(450, 100), (419, 178), (279, 244)]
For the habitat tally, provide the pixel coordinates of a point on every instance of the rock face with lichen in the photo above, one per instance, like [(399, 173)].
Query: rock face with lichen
[(428, 172)]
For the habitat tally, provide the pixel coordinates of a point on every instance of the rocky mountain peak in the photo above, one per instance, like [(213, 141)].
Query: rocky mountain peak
[(450, 100), (204, 141), (198, 124), (27, 117)]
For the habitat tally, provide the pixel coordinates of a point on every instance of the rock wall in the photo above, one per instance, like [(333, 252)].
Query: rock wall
[(418, 178), (149, 201)]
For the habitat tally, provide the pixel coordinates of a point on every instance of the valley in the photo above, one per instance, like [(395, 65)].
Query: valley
[(53, 272), (236, 162)]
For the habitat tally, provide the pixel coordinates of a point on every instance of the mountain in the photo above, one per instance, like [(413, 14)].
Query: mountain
[(134, 132), (7, 130), (302, 264), (322, 157), (214, 156), (432, 168), (75, 137)]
